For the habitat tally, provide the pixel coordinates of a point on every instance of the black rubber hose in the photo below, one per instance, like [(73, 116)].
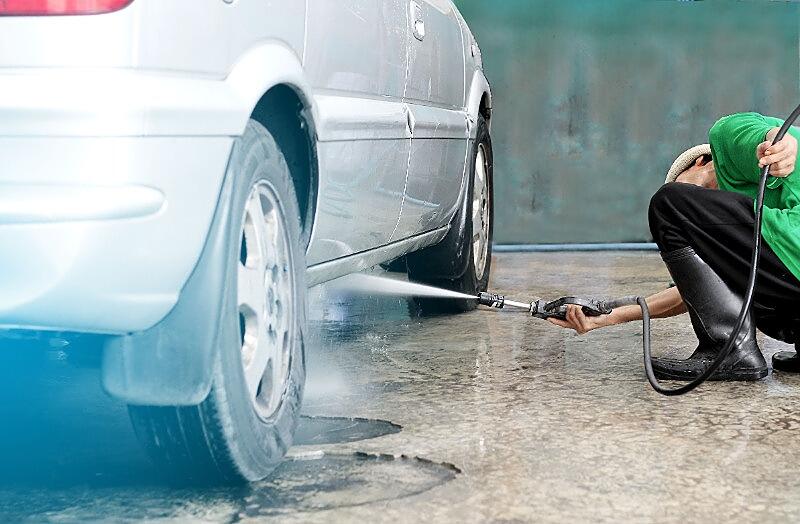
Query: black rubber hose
[(748, 301)]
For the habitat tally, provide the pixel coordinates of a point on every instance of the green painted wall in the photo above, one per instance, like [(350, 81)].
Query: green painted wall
[(594, 100)]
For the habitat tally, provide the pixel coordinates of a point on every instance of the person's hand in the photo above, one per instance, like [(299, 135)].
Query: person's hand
[(577, 320), (781, 157)]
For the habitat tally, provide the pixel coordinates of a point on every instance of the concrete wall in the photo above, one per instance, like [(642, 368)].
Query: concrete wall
[(594, 100)]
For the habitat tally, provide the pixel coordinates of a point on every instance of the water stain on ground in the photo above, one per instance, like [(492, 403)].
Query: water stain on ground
[(301, 484), (315, 431), (323, 481)]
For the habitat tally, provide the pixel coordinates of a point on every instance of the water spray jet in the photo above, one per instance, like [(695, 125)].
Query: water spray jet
[(380, 285)]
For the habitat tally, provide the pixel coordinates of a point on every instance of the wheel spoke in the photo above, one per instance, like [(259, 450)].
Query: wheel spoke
[(255, 207), (254, 372), (279, 363), (256, 212), (272, 240), (250, 288)]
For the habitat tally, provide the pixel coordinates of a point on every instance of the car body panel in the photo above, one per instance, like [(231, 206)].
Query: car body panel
[(210, 37), (436, 170), (128, 106), (364, 138), (357, 47), (479, 92), (435, 94), (436, 62), (116, 102)]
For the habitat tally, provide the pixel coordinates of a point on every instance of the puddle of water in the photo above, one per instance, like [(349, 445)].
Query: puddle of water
[(304, 483), (314, 431), (322, 481)]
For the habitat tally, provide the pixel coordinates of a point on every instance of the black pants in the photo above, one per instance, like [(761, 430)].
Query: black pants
[(719, 226)]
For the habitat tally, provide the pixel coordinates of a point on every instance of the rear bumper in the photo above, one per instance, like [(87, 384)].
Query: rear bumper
[(100, 234), (108, 185)]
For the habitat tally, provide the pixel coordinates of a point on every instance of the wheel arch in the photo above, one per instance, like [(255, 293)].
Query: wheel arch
[(283, 111), (479, 101), (270, 81)]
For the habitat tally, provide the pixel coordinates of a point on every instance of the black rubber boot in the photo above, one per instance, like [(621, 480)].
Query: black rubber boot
[(714, 309), (787, 361)]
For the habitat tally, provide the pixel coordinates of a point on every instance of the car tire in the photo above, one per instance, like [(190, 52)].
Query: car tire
[(243, 428), (467, 249)]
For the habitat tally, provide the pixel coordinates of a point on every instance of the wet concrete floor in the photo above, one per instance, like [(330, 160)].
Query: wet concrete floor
[(485, 417)]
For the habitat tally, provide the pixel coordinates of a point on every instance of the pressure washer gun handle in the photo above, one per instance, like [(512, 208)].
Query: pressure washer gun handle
[(591, 307), (558, 308)]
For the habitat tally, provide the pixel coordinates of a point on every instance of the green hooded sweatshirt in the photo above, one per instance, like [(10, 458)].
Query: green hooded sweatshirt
[(734, 140)]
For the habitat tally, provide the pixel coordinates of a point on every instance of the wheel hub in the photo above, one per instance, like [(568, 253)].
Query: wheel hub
[(265, 290), (481, 212)]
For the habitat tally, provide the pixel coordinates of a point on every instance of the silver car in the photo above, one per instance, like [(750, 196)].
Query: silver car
[(174, 174)]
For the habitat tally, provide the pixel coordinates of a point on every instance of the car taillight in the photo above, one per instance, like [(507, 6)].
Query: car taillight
[(59, 7)]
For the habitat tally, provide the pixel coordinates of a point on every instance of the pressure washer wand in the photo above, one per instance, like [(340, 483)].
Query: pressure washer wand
[(557, 308), (496, 301)]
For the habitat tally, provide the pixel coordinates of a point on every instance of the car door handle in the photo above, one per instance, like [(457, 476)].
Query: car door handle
[(411, 122), (417, 21)]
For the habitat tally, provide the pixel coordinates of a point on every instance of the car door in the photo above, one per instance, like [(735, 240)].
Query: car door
[(356, 59), (435, 94)]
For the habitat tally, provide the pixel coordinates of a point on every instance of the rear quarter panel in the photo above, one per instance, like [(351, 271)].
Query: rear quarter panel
[(185, 36)]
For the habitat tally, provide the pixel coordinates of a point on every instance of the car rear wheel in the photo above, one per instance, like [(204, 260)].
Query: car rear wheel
[(242, 430), (470, 238)]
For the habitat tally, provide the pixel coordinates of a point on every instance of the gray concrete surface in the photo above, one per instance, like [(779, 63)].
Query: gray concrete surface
[(503, 419)]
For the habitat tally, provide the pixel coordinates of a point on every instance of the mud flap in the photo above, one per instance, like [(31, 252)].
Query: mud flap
[(171, 364)]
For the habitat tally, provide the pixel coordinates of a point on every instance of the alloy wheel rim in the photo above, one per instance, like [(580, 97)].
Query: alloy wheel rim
[(265, 288), (481, 213)]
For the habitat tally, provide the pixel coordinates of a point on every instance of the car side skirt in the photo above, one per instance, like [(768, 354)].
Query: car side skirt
[(326, 271)]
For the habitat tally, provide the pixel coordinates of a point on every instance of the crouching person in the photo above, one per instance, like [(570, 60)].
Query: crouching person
[(703, 221)]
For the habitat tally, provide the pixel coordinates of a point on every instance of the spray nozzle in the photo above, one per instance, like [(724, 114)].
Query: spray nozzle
[(491, 300)]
